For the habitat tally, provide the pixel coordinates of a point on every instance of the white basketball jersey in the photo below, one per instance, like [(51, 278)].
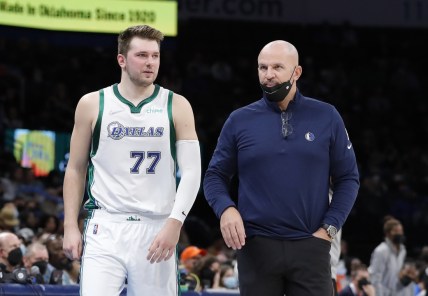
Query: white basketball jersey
[(132, 162)]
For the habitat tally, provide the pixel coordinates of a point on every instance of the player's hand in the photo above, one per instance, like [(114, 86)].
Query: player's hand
[(72, 244), (232, 228), (165, 242)]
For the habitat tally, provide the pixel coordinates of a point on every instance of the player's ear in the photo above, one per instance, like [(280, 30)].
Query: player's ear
[(121, 60)]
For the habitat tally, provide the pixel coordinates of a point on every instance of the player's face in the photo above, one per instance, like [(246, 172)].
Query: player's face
[(142, 61)]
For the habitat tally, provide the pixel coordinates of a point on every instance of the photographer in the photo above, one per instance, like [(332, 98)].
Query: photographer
[(360, 284)]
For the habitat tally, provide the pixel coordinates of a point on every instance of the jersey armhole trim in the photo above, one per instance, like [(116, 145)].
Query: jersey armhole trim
[(97, 128)]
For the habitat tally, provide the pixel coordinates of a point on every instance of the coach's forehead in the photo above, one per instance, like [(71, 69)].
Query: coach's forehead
[(278, 50)]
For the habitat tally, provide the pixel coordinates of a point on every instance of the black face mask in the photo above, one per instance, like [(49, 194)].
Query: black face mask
[(362, 282), (405, 280), (15, 257), (398, 239), (42, 265), (278, 92)]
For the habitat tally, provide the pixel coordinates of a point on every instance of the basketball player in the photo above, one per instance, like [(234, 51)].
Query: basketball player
[(129, 137)]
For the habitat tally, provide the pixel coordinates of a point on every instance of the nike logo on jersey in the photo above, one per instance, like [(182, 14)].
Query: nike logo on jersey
[(349, 146), (115, 111), (184, 213)]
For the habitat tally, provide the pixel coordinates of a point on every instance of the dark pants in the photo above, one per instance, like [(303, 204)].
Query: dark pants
[(269, 267)]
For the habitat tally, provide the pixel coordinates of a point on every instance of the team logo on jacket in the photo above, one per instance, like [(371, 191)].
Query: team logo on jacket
[(309, 136), (117, 131)]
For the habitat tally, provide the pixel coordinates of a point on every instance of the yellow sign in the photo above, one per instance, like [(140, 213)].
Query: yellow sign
[(105, 16), (36, 150)]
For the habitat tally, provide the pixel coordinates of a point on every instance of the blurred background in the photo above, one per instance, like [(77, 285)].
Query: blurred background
[(368, 58)]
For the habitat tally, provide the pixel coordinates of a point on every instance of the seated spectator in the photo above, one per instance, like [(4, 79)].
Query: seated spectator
[(190, 257), (49, 224), (9, 218), (36, 255), (10, 252), (60, 270), (360, 284), (228, 277), (209, 272), (190, 260)]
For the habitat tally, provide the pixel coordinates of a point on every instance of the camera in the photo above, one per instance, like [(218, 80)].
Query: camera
[(18, 276), (21, 276)]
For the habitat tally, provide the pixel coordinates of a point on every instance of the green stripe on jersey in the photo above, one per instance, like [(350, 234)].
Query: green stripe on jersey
[(135, 109), (97, 128), (91, 203), (172, 136)]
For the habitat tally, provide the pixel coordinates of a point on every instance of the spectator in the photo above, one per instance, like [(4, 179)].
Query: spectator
[(209, 272), (387, 261), (10, 252), (60, 270), (36, 255), (9, 217), (360, 284), (228, 277), (190, 258)]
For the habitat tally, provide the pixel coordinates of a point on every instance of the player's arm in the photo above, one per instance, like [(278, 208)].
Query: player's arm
[(188, 158), (189, 162), (75, 175)]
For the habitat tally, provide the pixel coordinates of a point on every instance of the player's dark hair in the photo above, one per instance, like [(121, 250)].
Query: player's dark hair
[(141, 31)]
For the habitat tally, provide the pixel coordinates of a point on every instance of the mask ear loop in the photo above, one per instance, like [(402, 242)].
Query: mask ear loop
[(292, 73)]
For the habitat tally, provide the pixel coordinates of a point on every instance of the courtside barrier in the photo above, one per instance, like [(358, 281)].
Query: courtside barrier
[(56, 290)]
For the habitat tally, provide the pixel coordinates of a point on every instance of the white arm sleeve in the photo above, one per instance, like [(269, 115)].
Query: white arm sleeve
[(189, 163)]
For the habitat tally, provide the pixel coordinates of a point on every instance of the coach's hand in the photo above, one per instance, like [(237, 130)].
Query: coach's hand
[(232, 228), (164, 244), (72, 244)]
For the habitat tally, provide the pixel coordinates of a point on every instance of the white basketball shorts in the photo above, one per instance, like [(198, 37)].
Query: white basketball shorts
[(115, 249)]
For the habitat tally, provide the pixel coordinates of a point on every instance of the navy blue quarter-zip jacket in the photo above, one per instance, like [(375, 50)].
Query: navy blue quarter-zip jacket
[(284, 181)]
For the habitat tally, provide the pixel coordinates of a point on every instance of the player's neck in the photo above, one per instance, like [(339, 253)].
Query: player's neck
[(133, 93)]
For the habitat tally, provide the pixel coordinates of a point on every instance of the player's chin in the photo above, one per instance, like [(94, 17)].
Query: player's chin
[(148, 78), (145, 82)]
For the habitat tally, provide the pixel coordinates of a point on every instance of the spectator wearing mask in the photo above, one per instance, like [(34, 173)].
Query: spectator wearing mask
[(360, 284), (228, 277), (10, 252), (36, 255), (60, 270), (387, 262), (209, 272)]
